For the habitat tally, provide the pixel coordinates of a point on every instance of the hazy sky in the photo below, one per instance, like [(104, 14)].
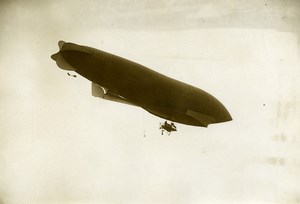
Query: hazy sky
[(59, 144)]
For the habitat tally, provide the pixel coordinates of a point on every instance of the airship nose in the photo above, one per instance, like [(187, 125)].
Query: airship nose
[(227, 116), (223, 114)]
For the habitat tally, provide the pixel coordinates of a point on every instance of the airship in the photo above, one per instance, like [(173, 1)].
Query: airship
[(121, 80)]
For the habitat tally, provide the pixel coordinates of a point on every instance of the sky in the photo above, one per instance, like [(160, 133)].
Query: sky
[(59, 144)]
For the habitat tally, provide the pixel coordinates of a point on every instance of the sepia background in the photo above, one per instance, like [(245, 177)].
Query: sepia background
[(59, 144)]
